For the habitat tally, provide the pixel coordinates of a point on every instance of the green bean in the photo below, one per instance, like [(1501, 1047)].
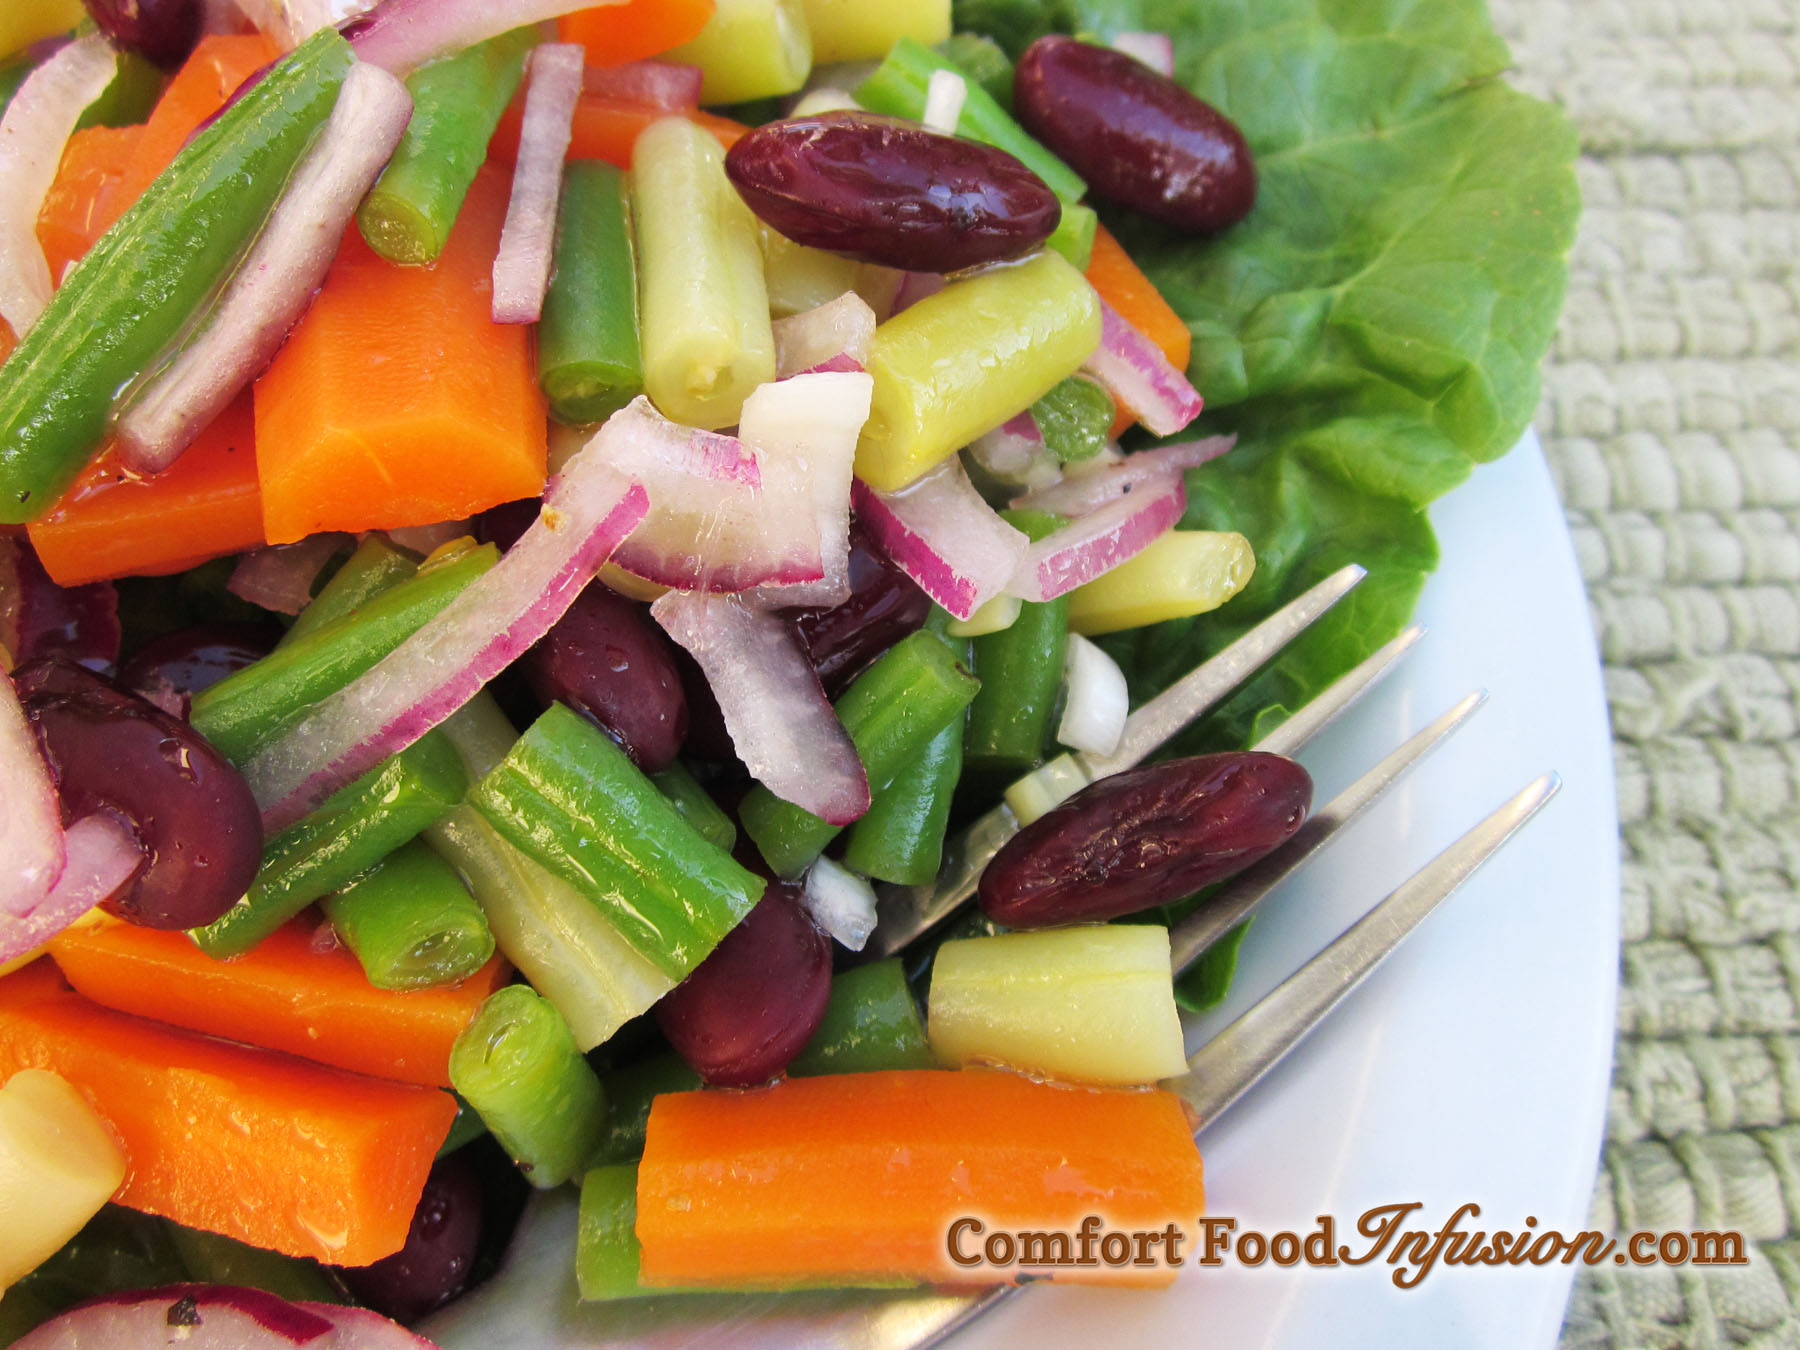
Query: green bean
[(516, 1063), (589, 361), (411, 922), (696, 804), (1076, 418), (465, 1129), (901, 839), (457, 103), (629, 1092), (570, 798), (871, 1023), (607, 1252), (356, 828), (984, 62), (376, 566), (1021, 672), (129, 98), (891, 711), (150, 278)]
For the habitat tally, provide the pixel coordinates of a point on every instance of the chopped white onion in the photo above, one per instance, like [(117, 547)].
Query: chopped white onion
[(826, 98), (1045, 788), (291, 22), (1097, 704), (841, 902), (1014, 453), (102, 855), (1077, 494), (1099, 541), (522, 267), (280, 578), (31, 829), (1156, 50), (1138, 376), (587, 513), (838, 328), (402, 35), (944, 97), (37, 124), (942, 534), (668, 85), (805, 428), (781, 724)]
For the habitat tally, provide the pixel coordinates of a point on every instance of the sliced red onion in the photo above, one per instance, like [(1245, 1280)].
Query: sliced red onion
[(31, 828), (217, 1317), (522, 267), (944, 97), (1138, 376), (668, 85), (281, 578), (291, 22), (402, 35), (1156, 50), (588, 511), (101, 855), (917, 286), (721, 518), (944, 536), (1079, 493), (362, 1329), (37, 124), (276, 281), (1099, 541), (841, 902), (1095, 709), (781, 724), (836, 335), (427, 539), (1014, 452), (806, 428)]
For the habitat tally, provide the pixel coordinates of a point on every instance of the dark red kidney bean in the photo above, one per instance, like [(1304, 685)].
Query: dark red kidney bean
[(192, 811), (1139, 138), (503, 524), (884, 606), (176, 666), (743, 1013), (890, 192), (610, 663), (433, 1266), (164, 31), (1146, 837), (40, 620)]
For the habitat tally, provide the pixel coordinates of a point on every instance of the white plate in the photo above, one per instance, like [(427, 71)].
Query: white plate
[(1472, 1067)]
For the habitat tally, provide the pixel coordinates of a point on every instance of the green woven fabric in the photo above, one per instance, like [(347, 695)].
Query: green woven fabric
[(1671, 416)]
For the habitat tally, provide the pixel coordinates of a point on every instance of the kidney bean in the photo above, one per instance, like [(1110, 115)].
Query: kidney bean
[(610, 663), (884, 606), (40, 620), (176, 666), (886, 191), (433, 1266), (165, 31), (194, 815), (503, 524), (1139, 138), (1146, 837), (753, 1004)]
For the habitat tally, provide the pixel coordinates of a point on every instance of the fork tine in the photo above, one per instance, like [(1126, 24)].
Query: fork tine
[(1227, 1066), (1340, 696), (1235, 900)]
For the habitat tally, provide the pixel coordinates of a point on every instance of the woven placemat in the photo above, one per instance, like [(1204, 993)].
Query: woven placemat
[(1671, 416)]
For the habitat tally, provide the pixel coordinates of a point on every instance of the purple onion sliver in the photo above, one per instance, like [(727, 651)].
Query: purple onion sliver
[(942, 534), (840, 330), (781, 723), (522, 266), (102, 854), (280, 578), (365, 1330), (402, 35), (32, 849), (1099, 541), (1156, 50), (210, 1316), (667, 85), (1012, 447), (1076, 495), (1138, 375), (917, 286)]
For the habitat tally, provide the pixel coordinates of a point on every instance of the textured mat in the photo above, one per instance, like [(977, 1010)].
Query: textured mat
[(1671, 416)]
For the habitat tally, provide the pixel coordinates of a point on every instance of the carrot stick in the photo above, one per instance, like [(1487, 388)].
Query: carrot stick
[(94, 163), (114, 524), (800, 1183), (1123, 285), (607, 128), (259, 1146), (615, 34), (397, 400), (285, 995)]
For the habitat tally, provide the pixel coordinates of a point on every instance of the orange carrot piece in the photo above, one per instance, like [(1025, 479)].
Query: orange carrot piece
[(259, 1146), (94, 163), (615, 34), (284, 995), (112, 523), (1123, 285), (397, 399), (607, 128), (860, 1176)]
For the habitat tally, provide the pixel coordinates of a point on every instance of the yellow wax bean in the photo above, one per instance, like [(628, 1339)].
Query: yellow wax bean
[(751, 49), (1185, 572), (856, 30), (58, 1164)]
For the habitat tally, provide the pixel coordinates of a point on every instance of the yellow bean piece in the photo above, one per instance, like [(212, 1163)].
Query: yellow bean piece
[(856, 30), (1184, 572), (750, 49), (58, 1164)]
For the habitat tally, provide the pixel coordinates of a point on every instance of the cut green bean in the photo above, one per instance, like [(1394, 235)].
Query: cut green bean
[(607, 1252), (983, 61), (570, 798), (128, 100), (1021, 673), (356, 828), (376, 566), (411, 922), (13, 72), (246, 711), (516, 1063), (696, 804), (589, 362), (457, 103), (629, 1092), (212, 1258), (1073, 236), (1076, 418), (870, 1024), (465, 1129), (750, 49), (901, 839), (892, 711), (705, 307)]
